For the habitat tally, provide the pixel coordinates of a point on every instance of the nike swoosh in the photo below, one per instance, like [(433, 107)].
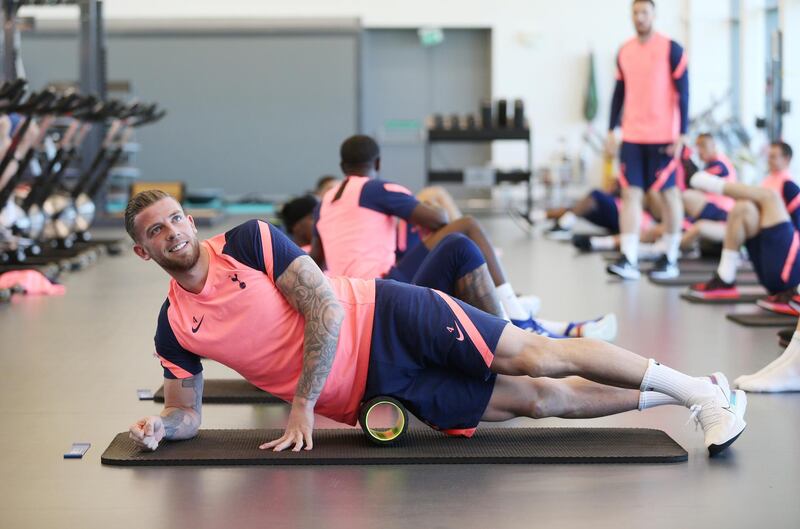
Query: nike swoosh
[(195, 329), (460, 336)]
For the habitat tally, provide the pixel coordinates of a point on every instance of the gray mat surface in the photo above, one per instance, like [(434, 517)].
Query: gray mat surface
[(221, 391), (423, 446), (690, 278), (763, 319)]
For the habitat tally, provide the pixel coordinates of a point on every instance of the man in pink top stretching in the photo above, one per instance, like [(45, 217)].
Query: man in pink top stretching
[(651, 99), (356, 235), (252, 300), (765, 219)]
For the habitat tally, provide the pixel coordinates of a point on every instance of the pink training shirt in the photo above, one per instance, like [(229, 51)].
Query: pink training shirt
[(241, 320), (359, 230), (776, 180), (652, 87)]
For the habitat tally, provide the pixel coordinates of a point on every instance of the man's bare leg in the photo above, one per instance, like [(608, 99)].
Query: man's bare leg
[(673, 222), (630, 222), (522, 354), (569, 398), (470, 227)]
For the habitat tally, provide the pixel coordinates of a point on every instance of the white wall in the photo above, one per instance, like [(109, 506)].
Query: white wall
[(539, 48)]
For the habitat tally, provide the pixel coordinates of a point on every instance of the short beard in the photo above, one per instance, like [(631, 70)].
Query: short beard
[(184, 264)]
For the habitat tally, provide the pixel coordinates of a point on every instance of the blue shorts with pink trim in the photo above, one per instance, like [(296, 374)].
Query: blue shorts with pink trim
[(432, 353), (774, 255), (647, 166)]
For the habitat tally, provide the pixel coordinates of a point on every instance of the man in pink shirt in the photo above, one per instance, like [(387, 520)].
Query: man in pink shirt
[(358, 233), (252, 300), (651, 101), (765, 219)]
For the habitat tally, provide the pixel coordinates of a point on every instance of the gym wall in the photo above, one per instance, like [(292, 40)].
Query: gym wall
[(253, 106)]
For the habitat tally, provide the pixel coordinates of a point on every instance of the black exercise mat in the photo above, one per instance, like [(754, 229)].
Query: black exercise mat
[(763, 319), (685, 264), (221, 391), (744, 298), (423, 446), (688, 279)]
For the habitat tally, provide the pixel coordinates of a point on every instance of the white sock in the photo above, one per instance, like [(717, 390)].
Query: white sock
[(510, 303), (788, 355), (607, 242), (672, 245), (682, 387), (782, 374), (629, 246), (728, 264), (651, 399), (708, 182), (567, 220)]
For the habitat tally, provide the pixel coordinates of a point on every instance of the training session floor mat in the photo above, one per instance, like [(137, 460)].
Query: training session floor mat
[(687, 279), (419, 446), (221, 391), (763, 319), (745, 297)]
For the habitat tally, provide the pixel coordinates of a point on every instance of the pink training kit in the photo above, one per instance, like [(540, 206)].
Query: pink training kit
[(651, 113), (254, 330)]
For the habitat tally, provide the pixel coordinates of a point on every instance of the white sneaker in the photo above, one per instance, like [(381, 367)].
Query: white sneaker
[(530, 303), (721, 418), (603, 328), (718, 378)]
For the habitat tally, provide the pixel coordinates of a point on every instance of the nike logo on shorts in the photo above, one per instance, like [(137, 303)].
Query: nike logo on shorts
[(460, 336)]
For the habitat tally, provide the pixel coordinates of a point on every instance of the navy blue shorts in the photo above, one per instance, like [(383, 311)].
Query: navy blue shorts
[(455, 256), (432, 353), (605, 213), (647, 165), (774, 255), (712, 212)]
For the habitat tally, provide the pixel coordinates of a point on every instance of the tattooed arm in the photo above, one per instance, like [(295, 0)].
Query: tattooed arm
[(307, 290), (180, 418)]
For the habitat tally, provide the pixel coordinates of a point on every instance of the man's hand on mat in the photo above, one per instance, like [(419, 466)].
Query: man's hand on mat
[(298, 431), (148, 432)]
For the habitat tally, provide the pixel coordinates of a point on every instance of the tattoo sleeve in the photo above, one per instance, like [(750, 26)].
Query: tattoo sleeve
[(183, 407), (477, 289), (306, 289)]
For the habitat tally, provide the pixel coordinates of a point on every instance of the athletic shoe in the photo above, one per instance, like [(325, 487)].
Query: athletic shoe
[(623, 268), (664, 269), (721, 417), (719, 379), (557, 233), (714, 288), (582, 242), (603, 328), (530, 303), (780, 303), (531, 325), (785, 336)]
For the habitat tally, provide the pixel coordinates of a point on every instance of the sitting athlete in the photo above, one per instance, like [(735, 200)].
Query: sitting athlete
[(780, 375), (253, 301), (357, 236), (707, 212), (765, 219)]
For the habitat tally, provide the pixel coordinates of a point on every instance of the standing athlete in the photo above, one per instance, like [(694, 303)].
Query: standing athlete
[(651, 99)]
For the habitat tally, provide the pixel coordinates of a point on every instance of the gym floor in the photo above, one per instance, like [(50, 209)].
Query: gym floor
[(71, 366)]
